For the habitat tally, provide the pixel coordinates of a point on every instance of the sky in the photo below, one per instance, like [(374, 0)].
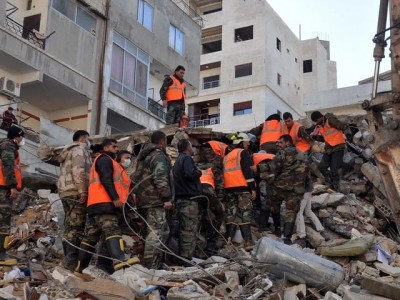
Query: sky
[(349, 25)]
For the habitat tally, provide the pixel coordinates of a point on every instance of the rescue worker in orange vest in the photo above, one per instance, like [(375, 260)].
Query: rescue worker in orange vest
[(173, 94), (212, 210), (109, 188), (213, 152), (269, 133), (331, 132), (10, 183), (263, 201), (241, 190), (301, 139)]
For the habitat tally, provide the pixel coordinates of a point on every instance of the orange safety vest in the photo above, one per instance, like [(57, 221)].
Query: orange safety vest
[(97, 192), (271, 131), (207, 177), (259, 157), (233, 175), (300, 144), (17, 172), (331, 135), (176, 91), (218, 147)]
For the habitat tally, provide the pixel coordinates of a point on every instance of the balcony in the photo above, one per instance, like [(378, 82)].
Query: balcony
[(191, 12), (203, 120), (210, 84), (156, 109), (25, 33)]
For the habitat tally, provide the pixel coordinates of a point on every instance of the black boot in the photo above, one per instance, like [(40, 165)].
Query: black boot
[(247, 236), (264, 217), (84, 259), (277, 224), (4, 259), (116, 249), (288, 233), (230, 232), (71, 253), (103, 263)]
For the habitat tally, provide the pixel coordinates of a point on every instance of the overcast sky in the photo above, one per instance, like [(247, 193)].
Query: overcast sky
[(349, 25)]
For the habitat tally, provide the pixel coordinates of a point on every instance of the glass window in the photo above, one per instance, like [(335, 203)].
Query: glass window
[(242, 108), (85, 20), (243, 70), (176, 39), (67, 8), (129, 70), (145, 14), (307, 66)]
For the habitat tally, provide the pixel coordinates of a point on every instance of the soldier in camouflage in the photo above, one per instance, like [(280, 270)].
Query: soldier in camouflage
[(10, 182), (75, 162), (154, 192), (289, 169)]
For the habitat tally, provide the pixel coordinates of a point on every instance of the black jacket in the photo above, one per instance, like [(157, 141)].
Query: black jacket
[(104, 166), (186, 177)]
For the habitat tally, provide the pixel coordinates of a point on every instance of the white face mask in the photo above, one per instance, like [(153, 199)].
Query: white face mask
[(126, 163), (88, 145), (22, 142)]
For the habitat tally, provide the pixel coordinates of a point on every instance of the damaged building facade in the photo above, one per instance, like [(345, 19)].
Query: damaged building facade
[(95, 65)]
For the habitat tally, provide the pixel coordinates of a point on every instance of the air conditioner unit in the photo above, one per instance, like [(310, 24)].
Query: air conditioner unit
[(9, 87)]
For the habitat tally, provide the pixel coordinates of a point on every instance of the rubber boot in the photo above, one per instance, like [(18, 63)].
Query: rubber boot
[(84, 259), (4, 259), (264, 217), (248, 238), (103, 263), (70, 254), (277, 224), (288, 233), (115, 247), (230, 232)]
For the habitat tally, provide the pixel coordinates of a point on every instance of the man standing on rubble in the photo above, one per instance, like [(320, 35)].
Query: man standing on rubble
[(173, 95), (269, 133), (75, 164), (188, 192), (290, 170), (154, 192), (300, 137), (109, 188), (330, 132), (241, 190), (10, 183)]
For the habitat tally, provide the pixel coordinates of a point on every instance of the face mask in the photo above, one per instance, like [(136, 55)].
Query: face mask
[(88, 145), (22, 142), (126, 163)]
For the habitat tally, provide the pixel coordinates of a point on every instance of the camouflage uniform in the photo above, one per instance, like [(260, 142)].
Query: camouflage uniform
[(238, 208), (97, 225), (188, 225), (72, 184), (175, 112), (153, 179), (289, 171)]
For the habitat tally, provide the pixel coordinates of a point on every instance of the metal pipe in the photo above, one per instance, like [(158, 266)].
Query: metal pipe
[(376, 77)]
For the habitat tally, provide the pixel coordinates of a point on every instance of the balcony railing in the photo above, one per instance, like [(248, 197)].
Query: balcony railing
[(210, 84), (25, 33), (187, 9), (203, 120), (156, 108)]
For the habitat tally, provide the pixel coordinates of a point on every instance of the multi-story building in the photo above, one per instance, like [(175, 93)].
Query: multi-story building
[(253, 65), (94, 64)]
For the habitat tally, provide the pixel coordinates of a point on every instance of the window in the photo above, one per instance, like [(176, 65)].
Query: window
[(278, 78), (29, 5), (145, 14), (129, 70), (212, 11), (307, 66), (242, 108), (243, 70), (176, 39), (211, 82), (244, 34), (212, 47), (76, 14), (278, 44)]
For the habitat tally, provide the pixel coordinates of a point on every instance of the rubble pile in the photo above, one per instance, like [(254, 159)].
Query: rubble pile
[(357, 258)]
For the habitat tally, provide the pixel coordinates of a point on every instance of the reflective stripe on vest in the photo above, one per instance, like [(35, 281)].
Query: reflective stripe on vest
[(331, 135), (17, 173), (176, 91), (97, 192), (233, 175), (271, 131), (207, 177), (300, 143), (259, 157), (218, 147)]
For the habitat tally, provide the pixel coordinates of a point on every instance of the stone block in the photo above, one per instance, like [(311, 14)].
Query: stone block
[(326, 199), (381, 288), (345, 211), (371, 272), (392, 271), (332, 296)]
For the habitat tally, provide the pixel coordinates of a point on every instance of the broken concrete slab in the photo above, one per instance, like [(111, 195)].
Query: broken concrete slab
[(191, 290), (387, 269), (295, 292), (332, 296), (345, 211), (381, 288), (349, 295), (324, 200), (314, 237)]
